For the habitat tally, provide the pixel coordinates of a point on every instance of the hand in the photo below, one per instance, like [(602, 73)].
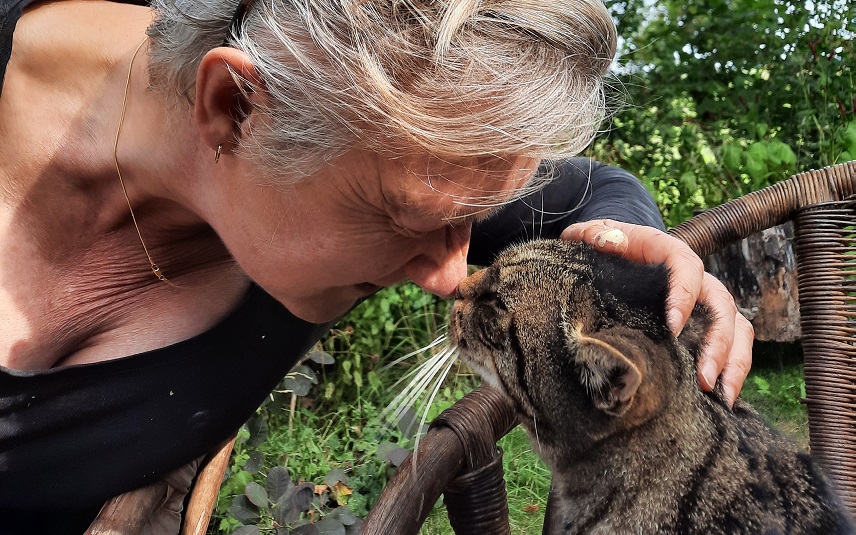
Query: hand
[(728, 352)]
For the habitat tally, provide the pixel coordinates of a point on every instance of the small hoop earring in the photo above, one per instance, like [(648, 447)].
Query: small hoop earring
[(217, 154)]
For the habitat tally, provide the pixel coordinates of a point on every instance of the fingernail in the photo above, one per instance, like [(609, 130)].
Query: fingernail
[(673, 319), (612, 236), (709, 374)]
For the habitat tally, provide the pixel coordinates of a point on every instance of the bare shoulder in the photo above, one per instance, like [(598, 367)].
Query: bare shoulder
[(58, 75)]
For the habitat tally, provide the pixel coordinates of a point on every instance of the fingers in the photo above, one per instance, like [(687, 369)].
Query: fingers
[(719, 341), (651, 246), (739, 360)]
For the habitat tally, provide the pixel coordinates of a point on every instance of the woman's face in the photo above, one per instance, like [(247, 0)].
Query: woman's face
[(360, 224)]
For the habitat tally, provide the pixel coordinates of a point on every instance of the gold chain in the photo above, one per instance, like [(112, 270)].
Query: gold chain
[(155, 269)]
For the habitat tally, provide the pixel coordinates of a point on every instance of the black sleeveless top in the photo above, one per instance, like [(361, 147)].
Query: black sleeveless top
[(74, 436)]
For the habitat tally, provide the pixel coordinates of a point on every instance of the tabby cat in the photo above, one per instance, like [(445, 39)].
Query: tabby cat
[(578, 341)]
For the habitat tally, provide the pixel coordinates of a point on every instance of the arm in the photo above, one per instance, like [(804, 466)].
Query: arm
[(581, 191)]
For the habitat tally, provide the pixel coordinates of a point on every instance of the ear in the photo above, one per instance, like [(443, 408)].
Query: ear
[(226, 85), (698, 326), (609, 376)]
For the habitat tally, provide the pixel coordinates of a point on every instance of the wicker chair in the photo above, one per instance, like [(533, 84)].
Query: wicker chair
[(458, 458)]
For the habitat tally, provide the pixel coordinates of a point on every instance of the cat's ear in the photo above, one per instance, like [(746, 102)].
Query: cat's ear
[(610, 377), (698, 326)]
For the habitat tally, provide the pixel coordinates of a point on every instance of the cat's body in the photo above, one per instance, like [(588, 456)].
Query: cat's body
[(578, 340)]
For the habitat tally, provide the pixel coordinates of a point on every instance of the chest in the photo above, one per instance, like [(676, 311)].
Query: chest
[(65, 300)]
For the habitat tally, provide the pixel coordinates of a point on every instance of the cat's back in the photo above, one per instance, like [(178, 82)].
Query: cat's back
[(753, 480)]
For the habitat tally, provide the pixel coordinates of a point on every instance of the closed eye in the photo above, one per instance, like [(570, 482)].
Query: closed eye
[(407, 232), (495, 299)]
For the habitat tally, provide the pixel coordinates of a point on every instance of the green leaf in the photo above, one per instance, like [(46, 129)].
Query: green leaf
[(258, 428), (397, 456), (247, 530), (330, 526), (297, 384), (278, 482), (849, 138), (305, 529), (688, 180), (732, 156), (321, 357), (255, 462), (307, 372), (344, 515), (301, 496), (243, 510), (355, 528), (374, 380), (779, 153), (407, 422), (257, 495), (334, 476), (290, 505), (756, 160), (762, 385)]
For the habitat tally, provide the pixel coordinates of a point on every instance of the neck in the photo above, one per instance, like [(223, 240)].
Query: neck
[(75, 103)]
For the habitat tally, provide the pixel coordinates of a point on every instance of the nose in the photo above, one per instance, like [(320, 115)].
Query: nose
[(442, 262), (472, 285)]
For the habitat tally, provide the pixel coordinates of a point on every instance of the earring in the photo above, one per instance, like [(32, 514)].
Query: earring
[(217, 154)]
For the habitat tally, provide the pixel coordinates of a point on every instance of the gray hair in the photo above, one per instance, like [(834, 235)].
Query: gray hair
[(457, 79)]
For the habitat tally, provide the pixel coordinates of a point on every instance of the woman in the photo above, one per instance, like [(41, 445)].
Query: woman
[(194, 194)]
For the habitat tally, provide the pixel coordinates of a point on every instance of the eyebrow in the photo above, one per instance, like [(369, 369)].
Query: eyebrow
[(481, 215)]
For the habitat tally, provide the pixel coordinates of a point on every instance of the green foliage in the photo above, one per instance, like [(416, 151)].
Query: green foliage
[(395, 321), (321, 425), (777, 394), (729, 97)]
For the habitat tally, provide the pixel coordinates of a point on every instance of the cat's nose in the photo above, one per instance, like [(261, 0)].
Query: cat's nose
[(469, 287)]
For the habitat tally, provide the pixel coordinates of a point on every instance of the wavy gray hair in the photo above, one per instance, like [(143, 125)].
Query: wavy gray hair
[(458, 79)]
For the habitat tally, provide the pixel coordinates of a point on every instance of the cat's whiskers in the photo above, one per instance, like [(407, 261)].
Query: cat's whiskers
[(419, 378), (438, 382), (537, 439), (437, 341)]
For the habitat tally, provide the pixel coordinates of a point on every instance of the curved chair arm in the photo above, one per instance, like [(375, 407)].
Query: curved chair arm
[(461, 440), (126, 514), (203, 496)]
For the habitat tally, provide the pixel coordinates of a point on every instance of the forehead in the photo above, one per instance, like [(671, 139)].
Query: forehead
[(456, 193)]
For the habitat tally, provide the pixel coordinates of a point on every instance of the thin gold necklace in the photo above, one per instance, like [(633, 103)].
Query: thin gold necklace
[(155, 269)]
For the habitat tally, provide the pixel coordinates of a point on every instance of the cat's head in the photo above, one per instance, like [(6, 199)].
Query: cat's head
[(576, 338)]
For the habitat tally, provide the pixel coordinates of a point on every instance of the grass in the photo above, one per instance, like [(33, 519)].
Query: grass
[(776, 388), (335, 426)]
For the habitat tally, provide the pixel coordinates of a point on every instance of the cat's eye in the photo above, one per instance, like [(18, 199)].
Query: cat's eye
[(495, 299)]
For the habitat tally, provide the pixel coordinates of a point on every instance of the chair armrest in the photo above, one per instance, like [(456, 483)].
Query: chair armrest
[(204, 493), (126, 514), (462, 441)]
